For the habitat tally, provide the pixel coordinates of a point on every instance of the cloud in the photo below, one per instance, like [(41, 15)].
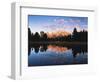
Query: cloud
[(64, 24), (49, 26), (63, 21), (77, 26), (74, 21), (60, 21), (85, 26)]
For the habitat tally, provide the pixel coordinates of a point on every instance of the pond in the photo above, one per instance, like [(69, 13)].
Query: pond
[(52, 54)]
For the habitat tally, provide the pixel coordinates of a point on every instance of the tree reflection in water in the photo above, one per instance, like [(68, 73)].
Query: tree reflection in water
[(76, 49)]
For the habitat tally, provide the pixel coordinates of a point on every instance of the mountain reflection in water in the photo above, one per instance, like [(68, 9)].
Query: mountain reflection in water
[(47, 54)]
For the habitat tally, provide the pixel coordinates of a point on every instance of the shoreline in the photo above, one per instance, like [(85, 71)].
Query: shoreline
[(58, 42)]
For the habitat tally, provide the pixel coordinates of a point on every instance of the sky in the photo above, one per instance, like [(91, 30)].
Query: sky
[(46, 23)]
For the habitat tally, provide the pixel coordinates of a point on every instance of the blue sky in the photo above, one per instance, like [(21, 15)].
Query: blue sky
[(45, 23)]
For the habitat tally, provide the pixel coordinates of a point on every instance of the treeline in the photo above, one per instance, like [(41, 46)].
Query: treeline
[(75, 36)]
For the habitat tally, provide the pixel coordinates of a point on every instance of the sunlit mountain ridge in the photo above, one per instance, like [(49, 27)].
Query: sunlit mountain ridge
[(58, 33)]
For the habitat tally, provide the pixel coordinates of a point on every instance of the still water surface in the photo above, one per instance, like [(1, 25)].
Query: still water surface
[(43, 55)]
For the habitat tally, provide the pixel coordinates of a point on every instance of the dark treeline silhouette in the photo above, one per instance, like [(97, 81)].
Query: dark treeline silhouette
[(42, 36), (79, 36)]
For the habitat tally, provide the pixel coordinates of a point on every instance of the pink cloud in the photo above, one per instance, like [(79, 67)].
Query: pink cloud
[(60, 21)]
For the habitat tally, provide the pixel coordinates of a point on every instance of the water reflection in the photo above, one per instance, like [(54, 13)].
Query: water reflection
[(57, 49), (47, 54)]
